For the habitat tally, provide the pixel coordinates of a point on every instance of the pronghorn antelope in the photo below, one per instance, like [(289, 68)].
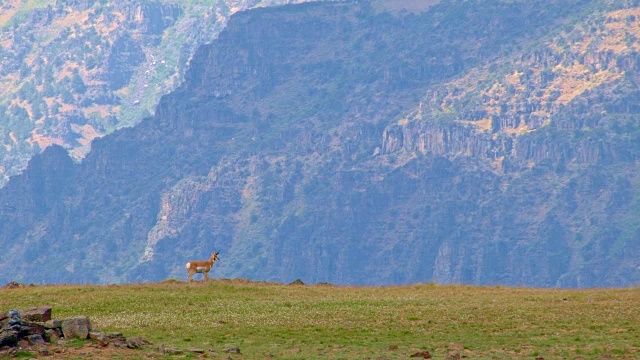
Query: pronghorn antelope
[(201, 266)]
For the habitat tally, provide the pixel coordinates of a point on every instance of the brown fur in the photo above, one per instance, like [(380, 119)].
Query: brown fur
[(201, 266)]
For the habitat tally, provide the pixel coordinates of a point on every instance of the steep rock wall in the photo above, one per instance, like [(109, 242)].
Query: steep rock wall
[(302, 155)]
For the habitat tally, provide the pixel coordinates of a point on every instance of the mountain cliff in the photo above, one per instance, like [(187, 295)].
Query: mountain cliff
[(73, 71), (466, 142)]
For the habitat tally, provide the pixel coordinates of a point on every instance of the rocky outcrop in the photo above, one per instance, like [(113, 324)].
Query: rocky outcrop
[(40, 314), (78, 327), (33, 330), (74, 71), (124, 58), (444, 139), (153, 18), (501, 111)]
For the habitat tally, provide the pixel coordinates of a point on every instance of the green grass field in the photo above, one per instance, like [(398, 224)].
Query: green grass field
[(332, 322)]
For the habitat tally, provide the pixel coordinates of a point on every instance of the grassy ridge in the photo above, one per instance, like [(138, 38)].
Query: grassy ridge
[(327, 322)]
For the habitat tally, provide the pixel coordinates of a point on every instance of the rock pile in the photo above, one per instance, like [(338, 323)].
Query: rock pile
[(422, 354), (33, 329), (12, 285)]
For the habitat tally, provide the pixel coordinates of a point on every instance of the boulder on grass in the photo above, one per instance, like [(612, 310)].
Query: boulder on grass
[(99, 337), (116, 339), (40, 314), (76, 327), (137, 342)]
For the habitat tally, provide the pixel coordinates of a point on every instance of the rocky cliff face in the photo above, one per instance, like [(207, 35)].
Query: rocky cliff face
[(73, 71), (560, 113), (578, 81), (338, 142)]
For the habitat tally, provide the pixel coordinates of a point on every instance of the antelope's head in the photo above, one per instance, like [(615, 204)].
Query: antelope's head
[(214, 256)]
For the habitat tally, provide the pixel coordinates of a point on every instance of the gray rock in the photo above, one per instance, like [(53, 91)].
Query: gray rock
[(172, 351), (167, 350), (78, 327), (8, 338), (35, 340), (53, 324), (232, 350), (44, 352), (102, 339), (51, 335), (136, 342), (14, 321), (12, 313), (40, 314), (116, 339), (95, 335), (116, 336), (12, 285), (33, 328), (196, 350)]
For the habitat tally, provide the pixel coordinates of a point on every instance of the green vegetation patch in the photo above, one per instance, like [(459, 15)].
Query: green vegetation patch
[(334, 322)]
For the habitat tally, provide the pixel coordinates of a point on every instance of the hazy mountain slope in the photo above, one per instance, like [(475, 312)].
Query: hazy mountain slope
[(337, 142), (559, 124), (72, 71)]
